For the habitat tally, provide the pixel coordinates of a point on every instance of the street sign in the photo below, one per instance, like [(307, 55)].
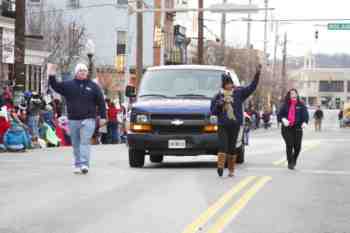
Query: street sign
[(231, 7), (339, 26)]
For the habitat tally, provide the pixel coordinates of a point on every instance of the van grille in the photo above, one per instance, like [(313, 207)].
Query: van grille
[(184, 129), (178, 116)]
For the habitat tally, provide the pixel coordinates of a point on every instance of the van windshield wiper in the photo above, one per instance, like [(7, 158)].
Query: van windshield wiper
[(154, 95), (193, 95)]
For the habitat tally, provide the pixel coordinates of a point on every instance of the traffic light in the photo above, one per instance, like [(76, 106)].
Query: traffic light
[(337, 100), (316, 34)]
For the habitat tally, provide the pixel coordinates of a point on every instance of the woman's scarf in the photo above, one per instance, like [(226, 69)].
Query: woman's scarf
[(292, 112), (228, 101)]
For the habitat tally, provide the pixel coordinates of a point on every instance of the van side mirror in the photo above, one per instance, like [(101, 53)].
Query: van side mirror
[(130, 91)]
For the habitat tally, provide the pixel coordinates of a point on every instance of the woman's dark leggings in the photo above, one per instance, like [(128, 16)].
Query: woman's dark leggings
[(228, 135), (293, 138)]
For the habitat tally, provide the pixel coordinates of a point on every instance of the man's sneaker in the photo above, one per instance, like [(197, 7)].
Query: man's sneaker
[(84, 169), (76, 170)]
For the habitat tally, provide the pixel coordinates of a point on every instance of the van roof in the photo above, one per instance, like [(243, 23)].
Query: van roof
[(187, 67), (234, 76)]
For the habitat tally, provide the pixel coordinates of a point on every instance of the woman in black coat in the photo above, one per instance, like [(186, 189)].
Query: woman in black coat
[(294, 117), (227, 106)]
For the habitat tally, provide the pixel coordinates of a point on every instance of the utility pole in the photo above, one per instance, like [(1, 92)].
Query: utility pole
[(223, 27), (20, 46), (127, 51), (275, 51), (249, 28), (162, 23), (200, 32), (265, 28), (284, 66), (139, 44), (223, 36)]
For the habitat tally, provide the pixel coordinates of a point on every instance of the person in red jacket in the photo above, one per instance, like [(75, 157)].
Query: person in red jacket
[(112, 124), (4, 126)]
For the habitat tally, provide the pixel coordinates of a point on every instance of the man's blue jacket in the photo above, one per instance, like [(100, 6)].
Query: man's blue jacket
[(84, 98)]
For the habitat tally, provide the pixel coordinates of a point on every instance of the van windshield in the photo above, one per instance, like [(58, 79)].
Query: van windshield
[(181, 83)]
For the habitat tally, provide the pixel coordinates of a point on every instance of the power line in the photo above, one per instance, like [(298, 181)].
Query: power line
[(149, 7), (311, 20), (74, 9), (286, 20), (88, 7)]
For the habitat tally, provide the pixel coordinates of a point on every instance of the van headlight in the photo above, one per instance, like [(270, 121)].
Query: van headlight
[(142, 119), (213, 120)]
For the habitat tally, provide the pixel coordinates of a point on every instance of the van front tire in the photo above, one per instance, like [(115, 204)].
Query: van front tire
[(136, 158)]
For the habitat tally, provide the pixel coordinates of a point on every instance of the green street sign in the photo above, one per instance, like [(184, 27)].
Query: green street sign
[(339, 26)]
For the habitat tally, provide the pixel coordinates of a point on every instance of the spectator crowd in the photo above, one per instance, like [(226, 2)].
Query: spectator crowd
[(36, 122)]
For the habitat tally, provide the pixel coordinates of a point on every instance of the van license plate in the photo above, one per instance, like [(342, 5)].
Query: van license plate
[(177, 144)]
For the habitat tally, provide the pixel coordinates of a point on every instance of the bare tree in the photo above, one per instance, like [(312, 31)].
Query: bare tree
[(65, 39), (244, 63)]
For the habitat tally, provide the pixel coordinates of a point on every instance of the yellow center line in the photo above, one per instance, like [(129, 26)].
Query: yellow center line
[(213, 209), (228, 216)]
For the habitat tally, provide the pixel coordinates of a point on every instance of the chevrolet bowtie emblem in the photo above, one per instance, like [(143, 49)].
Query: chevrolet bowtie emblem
[(177, 122)]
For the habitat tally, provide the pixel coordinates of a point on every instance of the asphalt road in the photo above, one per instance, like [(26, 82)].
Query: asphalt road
[(39, 193)]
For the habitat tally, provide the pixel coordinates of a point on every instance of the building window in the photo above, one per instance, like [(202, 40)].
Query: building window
[(121, 50), (158, 36), (8, 8), (11, 5), (331, 86), (121, 42), (73, 4), (122, 2), (348, 86), (35, 1), (169, 4)]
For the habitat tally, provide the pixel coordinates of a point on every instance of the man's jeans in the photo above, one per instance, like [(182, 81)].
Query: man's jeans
[(81, 132), (33, 124), (113, 132)]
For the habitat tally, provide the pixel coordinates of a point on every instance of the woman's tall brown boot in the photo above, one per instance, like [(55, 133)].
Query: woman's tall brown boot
[(231, 163), (221, 163)]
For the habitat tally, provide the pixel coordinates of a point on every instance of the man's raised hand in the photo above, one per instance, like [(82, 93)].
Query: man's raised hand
[(51, 69)]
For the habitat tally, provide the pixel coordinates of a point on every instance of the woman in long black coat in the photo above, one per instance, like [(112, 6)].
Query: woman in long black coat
[(294, 117)]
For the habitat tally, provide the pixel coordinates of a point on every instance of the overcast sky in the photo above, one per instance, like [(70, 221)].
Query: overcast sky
[(301, 35)]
